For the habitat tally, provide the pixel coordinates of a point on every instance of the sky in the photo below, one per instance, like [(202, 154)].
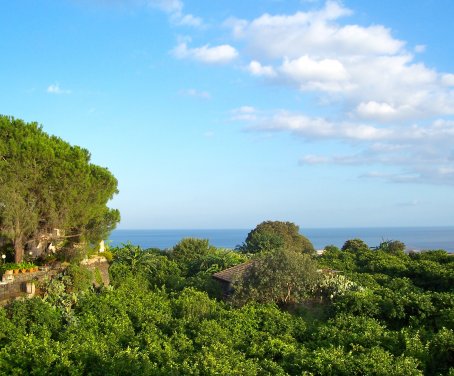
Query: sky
[(223, 114)]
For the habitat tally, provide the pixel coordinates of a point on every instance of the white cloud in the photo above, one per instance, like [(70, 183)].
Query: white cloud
[(221, 54), (439, 132), (393, 177), (175, 9), (195, 93), (168, 6), (314, 159), (420, 48), (244, 113), (187, 20), (319, 128), (257, 69), (423, 152), (311, 74), (363, 68), (447, 79), (56, 89), (392, 111), (375, 110), (312, 33)]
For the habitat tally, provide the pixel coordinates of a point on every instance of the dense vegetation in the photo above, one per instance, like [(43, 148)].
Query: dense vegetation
[(46, 184), (387, 313)]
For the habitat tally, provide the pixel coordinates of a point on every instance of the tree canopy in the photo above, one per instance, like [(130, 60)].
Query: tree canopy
[(270, 235), (281, 276), (46, 183), (385, 314)]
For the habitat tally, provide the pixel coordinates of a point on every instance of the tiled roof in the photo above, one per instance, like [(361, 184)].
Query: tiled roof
[(230, 274)]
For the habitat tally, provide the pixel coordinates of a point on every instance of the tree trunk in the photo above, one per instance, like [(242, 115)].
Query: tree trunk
[(18, 250)]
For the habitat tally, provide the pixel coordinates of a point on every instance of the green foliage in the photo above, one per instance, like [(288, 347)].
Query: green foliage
[(45, 183), (193, 305), (190, 249), (200, 271), (355, 245), (97, 277), (216, 260), (281, 276), (440, 256), (161, 271), (80, 278), (155, 268), (72, 254), (333, 285), (108, 255), (378, 322), (394, 247), (441, 352), (271, 235), (33, 316), (129, 254), (17, 266)]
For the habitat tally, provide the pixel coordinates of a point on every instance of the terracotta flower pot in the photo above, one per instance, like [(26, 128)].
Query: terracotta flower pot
[(16, 271), (23, 271)]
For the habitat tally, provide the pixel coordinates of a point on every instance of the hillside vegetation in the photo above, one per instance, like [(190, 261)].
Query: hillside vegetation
[(387, 313)]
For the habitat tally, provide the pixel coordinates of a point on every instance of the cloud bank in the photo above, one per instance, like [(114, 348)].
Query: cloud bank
[(384, 103)]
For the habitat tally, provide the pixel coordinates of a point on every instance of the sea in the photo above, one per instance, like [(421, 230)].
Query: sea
[(415, 238)]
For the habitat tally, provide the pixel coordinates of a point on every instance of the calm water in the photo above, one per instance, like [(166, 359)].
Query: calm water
[(414, 237)]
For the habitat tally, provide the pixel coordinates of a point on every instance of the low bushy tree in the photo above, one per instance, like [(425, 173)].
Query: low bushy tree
[(189, 250), (281, 276), (355, 245)]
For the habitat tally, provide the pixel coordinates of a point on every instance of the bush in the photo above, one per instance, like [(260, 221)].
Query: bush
[(72, 254), (108, 255), (271, 235), (81, 278), (355, 245)]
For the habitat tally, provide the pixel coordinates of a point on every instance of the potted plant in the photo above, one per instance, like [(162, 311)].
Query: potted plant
[(12, 268), (23, 267)]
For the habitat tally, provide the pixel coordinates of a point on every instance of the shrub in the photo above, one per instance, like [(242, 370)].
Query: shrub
[(81, 278)]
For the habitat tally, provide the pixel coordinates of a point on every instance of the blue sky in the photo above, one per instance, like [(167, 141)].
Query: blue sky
[(224, 114)]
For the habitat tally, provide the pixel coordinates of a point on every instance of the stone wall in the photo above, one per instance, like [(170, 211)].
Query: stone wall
[(17, 286), (99, 266)]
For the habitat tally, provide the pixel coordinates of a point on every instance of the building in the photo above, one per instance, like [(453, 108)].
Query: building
[(227, 277)]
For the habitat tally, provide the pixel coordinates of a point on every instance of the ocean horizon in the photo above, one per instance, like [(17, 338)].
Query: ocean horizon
[(415, 238)]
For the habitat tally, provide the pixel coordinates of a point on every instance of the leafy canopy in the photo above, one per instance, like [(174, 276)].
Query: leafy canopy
[(46, 183), (270, 235), (282, 276)]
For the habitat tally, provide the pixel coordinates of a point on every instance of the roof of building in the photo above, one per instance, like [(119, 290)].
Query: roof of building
[(230, 274)]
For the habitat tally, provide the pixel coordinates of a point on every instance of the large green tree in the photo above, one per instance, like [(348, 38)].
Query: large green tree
[(282, 276), (271, 235), (46, 183)]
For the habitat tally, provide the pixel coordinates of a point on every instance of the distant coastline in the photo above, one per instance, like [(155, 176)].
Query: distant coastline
[(415, 238)]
